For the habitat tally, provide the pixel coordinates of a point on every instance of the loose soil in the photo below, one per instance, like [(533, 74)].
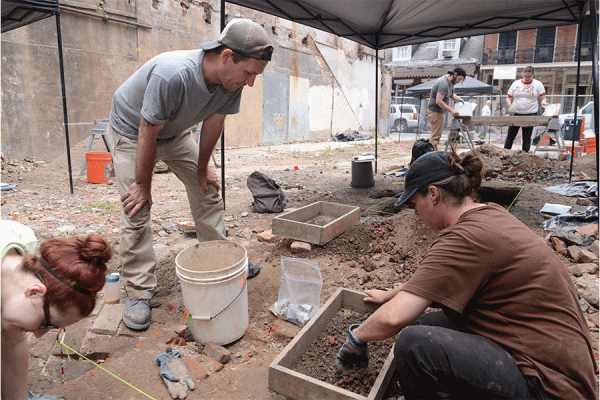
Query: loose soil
[(382, 250), (318, 361)]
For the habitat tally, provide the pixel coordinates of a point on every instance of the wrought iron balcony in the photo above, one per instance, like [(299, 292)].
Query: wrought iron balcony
[(537, 54)]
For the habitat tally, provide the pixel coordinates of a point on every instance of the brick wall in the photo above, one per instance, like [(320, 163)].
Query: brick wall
[(566, 37), (525, 41)]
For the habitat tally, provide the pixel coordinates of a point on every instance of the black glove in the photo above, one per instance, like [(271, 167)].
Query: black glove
[(354, 354), (174, 373)]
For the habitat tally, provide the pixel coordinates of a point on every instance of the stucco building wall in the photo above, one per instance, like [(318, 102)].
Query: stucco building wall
[(321, 84)]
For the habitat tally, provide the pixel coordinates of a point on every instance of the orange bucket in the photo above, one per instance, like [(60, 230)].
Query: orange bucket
[(99, 166), (589, 145), (546, 141), (578, 150)]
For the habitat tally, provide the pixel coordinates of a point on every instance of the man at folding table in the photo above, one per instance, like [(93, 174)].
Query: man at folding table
[(439, 102)]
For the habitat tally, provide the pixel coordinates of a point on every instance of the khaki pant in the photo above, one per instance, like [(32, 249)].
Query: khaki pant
[(436, 120), (137, 255)]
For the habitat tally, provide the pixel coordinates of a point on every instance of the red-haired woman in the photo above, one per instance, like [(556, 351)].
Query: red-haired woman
[(39, 293)]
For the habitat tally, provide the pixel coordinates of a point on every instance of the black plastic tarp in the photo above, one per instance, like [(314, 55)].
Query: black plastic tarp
[(468, 87)]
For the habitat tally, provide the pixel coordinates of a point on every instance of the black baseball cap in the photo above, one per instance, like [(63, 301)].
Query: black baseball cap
[(429, 168), (245, 37), (460, 71)]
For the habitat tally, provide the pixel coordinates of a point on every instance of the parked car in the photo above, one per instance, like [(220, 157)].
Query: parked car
[(403, 117), (586, 111)]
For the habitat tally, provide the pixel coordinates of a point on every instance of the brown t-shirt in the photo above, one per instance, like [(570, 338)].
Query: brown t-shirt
[(503, 282)]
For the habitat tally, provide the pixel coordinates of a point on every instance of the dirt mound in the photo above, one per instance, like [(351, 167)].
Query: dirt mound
[(518, 166)]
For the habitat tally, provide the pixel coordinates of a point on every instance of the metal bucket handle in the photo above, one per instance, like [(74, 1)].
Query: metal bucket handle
[(207, 318)]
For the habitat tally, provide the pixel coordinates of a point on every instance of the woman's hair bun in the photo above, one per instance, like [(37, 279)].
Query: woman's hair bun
[(95, 250)]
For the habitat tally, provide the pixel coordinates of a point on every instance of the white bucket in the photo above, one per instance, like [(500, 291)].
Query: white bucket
[(213, 285)]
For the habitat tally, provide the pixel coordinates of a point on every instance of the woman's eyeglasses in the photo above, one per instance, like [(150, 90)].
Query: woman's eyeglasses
[(47, 325)]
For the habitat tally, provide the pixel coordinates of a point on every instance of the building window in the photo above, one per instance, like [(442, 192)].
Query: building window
[(402, 53), (544, 45), (571, 79), (586, 40), (450, 45), (507, 46), (448, 48)]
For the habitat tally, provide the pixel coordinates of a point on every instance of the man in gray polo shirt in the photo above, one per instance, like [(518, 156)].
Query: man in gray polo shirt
[(441, 93), (151, 118)]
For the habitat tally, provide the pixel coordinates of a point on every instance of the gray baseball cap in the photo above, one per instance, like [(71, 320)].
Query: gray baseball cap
[(245, 37)]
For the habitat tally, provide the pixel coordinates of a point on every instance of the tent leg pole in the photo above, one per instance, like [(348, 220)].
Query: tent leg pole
[(222, 22), (594, 17), (376, 103), (64, 97), (575, 133)]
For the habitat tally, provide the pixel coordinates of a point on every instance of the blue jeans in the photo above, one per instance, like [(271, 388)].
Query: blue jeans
[(436, 359)]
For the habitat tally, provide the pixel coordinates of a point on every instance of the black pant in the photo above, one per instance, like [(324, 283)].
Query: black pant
[(512, 134), (438, 360)]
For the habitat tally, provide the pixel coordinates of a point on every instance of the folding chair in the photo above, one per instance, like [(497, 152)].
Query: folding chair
[(99, 128)]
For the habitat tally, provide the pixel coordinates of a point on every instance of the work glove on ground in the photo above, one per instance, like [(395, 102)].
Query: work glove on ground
[(354, 354), (174, 373)]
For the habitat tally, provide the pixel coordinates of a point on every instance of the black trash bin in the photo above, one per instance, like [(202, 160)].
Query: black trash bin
[(362, 174), (572, 131)]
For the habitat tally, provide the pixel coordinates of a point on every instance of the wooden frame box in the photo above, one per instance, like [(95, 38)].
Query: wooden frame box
[(316, 223), (285, 381)]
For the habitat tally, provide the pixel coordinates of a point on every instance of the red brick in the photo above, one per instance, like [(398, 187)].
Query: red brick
[(265, 236), (585, 256), (559, 246), (195, 370), (589, 229), (284, 330), (574, 251), (219, 353)]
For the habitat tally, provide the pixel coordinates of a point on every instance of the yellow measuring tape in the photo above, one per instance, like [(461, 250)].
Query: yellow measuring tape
[(62, 343)]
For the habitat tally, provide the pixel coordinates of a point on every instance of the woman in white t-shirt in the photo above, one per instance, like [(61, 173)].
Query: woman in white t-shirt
[(522, 99), (52, 290)]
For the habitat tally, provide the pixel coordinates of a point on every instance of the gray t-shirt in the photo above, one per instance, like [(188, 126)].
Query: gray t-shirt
[(169, 89), (441, 85)]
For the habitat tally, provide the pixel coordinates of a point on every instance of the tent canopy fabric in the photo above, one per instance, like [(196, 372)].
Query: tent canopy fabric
[(468, 87), (382, 24), (22, 12)]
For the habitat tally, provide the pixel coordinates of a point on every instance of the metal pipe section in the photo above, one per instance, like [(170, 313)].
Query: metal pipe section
[(103, 17)]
